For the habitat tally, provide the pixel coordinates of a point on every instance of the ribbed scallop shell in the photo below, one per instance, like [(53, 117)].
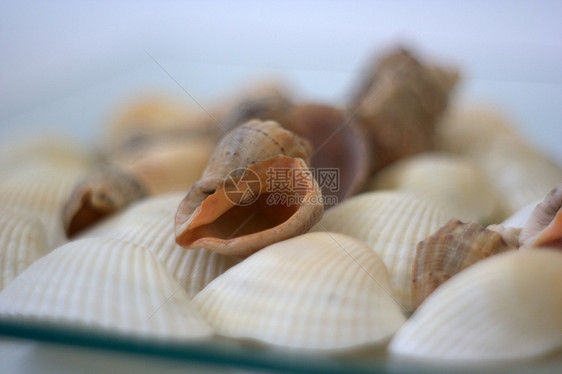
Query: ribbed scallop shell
[(392, 224), (40, 190), (452, 248), (150, 223), (315, 291), (508, 306), (103, 283), (455, 183), (22, 242)]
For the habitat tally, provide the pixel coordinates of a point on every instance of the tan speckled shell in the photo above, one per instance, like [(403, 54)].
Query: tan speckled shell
[(150, 223), (22, 242), (449, 250), (321, 291), (97, 284), (455, 183), (392, 224), (398, 104), (504, 307)]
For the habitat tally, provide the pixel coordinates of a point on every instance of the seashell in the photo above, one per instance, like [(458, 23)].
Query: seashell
[(454, 183), (519, 174), (509, 234), (266, 100), (149, 117), (398, 105), (471, 129), (544, 227), (504, 307), (520, 217), (149, 222), (233, 209), (449, 250), (98, 196), (22, 241), (165, 164), (39, 190), (339, 147), (48, 149), (97, 284), (321, 291), (391, 223)]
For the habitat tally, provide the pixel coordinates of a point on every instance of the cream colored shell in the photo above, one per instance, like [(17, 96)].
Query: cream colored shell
[(508, 306), (453, 182), (519, 174), (22, 241), (39, 190), (105, 284), (150, 223), (321, 291), (391, 223), (468, 129)]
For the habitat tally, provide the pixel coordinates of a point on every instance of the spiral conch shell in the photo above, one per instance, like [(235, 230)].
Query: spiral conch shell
[(392, 224), (321, 291), (149, 222), (96, 284), (452, 248), (507, 306), (231, 209), (22, 242), (98, 196), (544, 227), (399, 104), (339, 144)]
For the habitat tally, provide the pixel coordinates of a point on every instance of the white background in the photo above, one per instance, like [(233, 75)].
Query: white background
[(69, 65)]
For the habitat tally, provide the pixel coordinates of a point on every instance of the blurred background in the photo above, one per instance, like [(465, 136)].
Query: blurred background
[(67, 66)]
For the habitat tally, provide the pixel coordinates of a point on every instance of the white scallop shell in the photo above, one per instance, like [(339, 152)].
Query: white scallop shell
[(320, 291), (391, 223), (508, 306), (22, 242), (453, 182), (39, 190), (150, 223), (103, 283)]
